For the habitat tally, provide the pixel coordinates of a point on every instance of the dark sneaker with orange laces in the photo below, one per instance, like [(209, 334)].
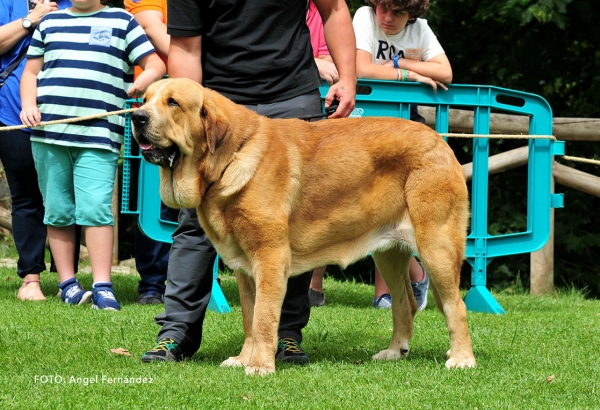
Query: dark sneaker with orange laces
[(166, 350), (289, 351)]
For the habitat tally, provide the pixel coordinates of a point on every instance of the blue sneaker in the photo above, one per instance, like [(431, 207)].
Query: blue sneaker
[(73, 294), (104, 297), (420, 290), (383, 302)]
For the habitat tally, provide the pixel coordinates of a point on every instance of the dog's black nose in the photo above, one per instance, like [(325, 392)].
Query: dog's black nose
[(140, 117)]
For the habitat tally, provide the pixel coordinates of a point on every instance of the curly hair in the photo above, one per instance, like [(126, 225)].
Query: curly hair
[(415, 8)]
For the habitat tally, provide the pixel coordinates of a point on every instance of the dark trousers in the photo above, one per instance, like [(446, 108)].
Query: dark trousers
[(189, 278), (29, 231), (152, 257)]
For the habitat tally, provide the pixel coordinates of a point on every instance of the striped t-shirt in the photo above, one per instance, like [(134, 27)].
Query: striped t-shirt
[(88, 67)]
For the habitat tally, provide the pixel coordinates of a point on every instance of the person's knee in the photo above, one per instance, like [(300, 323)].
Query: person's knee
[(95, 214)]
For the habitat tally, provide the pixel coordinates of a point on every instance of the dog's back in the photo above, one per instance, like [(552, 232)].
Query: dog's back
[(361, 183)]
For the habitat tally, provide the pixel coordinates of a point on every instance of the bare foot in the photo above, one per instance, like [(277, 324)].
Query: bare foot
[(30, 290)]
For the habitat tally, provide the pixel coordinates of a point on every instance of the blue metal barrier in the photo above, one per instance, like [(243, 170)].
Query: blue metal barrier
[(393, 99)]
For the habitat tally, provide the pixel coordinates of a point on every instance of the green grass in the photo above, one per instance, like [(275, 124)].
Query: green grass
[(539, 337)]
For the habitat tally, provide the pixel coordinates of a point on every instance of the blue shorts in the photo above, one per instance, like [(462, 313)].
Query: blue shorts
[(76, 183)]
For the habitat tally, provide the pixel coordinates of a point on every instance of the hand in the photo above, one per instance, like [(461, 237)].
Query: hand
[(327, 71), (31, 116), (345, 92), (426, 80), (143, 81), (42, 8)]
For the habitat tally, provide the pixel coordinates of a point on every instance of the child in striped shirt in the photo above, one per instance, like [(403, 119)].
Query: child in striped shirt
[(80, 63)]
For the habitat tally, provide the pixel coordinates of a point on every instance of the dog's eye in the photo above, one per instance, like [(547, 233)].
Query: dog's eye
[(172, 102)]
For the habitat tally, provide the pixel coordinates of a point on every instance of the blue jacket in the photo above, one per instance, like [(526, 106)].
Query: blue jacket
[(10, 100)]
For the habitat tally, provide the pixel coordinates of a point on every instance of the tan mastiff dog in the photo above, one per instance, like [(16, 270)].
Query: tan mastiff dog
[(280, 197)]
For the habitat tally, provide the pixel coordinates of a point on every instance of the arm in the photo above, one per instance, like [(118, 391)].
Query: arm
[(327, 69), (152, 23), (341, 42), (13, 32), (438, 68), (435, 72), (185, 58), (30, 113), (154, 70)]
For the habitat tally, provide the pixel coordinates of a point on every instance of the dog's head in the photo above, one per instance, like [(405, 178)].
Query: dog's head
[(177, 128)]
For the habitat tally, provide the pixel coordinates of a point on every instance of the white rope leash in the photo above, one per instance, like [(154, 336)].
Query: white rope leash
[(450, 135), (68, 120)]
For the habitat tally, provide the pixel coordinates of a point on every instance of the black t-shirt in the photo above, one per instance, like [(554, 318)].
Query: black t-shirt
[(253, 51)]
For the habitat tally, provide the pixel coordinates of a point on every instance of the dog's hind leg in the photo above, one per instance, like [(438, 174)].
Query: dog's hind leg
[(393, 265), (442, 252), (247, 291)]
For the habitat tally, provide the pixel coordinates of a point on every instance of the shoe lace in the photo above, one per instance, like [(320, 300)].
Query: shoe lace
[(72, 292), (107, 294), (290, 345), (164, 344)]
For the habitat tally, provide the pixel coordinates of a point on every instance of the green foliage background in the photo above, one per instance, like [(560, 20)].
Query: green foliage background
[(545, 47)]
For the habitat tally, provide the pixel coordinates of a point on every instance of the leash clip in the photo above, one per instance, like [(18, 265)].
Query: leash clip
[(328, 111)]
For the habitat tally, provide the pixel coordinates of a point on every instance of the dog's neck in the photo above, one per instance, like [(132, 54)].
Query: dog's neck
[(226, 170)]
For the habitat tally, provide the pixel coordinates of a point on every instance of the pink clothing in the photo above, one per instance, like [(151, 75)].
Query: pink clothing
[(317, 35)]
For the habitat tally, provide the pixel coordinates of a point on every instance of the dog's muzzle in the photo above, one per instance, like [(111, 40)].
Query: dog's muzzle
[(161, 156)]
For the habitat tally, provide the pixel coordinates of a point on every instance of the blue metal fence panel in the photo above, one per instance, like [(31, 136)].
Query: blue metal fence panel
[(393, 99)]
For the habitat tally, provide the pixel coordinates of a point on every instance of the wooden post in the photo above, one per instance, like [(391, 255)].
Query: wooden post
[(541, 281)]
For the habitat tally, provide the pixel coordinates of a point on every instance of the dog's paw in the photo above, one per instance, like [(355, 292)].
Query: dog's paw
[(389, 354), (232, 362), (260, 370), (460, 362)]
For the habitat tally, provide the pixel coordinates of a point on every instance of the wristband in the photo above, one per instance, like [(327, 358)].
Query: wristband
[(402, 74), (395, 60)]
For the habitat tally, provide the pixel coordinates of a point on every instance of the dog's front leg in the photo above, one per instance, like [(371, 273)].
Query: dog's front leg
[(247, 290), (271, 274)]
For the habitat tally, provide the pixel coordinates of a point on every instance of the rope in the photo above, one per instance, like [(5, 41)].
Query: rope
[(68, 120), (578, 159), (451, 135)]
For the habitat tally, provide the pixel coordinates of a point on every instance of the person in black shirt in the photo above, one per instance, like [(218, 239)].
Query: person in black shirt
[(256, 53)]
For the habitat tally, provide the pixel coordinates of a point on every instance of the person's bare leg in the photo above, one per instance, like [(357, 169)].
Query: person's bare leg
[(62, 244), (380, 286), (99, 240), (416, 271), (30, 289), (316, 283)]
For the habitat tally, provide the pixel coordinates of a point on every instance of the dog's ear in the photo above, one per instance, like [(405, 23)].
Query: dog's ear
[(215, 124)]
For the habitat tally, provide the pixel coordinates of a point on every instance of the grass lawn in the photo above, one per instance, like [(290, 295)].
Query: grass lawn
[(544, 353)]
